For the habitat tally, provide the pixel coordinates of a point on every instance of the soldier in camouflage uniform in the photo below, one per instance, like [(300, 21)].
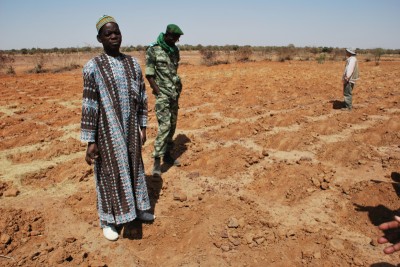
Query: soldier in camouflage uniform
[(162, 61)]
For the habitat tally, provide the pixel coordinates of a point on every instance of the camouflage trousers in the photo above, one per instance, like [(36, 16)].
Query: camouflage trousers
[(167, 116)]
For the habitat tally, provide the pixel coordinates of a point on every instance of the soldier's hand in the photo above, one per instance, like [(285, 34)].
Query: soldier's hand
[(156, 91)]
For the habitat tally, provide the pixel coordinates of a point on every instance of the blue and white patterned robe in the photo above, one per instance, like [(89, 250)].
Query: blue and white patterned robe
[(113, 110)]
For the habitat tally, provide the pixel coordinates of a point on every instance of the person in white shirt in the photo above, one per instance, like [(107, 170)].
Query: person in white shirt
[(350, 76)]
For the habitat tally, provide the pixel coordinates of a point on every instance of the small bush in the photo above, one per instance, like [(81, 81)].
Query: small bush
[(321, 58), (208, 56), (288, 57), (67, 68), (243, 54), (286, 52), (378, 52), (6, 61), (10, 70), (39, 63), (227, 54)]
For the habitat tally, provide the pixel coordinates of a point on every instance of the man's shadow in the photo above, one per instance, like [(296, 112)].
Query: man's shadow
[(134, 230), (180, 146), (336, 104)]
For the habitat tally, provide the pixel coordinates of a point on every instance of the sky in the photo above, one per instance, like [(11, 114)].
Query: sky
[(72, 23)]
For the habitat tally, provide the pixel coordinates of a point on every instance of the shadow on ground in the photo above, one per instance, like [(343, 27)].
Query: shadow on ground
[(180, 147), (134, 230), (336, 104), (396, 179)]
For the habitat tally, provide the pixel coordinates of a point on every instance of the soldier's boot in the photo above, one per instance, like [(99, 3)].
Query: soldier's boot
[(170, 160), (157, 167)]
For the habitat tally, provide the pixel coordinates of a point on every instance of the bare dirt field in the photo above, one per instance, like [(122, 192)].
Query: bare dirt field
[(273, 174)]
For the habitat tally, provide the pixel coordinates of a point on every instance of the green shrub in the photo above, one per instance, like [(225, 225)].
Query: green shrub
[(321, 58)]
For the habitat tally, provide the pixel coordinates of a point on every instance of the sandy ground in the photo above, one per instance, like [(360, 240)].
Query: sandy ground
[(273, 174)]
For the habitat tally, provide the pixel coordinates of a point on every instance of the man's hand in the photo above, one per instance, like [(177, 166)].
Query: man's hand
[(92, 153), (391, 237), (143, 135)]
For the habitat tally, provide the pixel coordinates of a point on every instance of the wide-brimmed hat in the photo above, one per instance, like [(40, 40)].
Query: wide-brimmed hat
[(351, 51)]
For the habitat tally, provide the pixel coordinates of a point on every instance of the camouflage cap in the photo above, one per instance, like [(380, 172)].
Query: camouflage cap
[(172, 28)]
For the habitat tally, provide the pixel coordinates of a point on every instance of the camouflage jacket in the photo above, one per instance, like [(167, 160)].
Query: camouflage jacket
[(165, 70)]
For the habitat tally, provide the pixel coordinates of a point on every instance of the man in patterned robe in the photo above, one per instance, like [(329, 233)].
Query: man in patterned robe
[(114, 118)]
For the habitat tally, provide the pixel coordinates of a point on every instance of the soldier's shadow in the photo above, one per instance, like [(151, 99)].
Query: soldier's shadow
[(336, 104), (180, 146), (134, 230)]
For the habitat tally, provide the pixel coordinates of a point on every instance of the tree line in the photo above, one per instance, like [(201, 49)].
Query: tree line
[(199, 47), (210, 54)]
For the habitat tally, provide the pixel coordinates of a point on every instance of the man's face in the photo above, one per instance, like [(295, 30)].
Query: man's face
[(110, 36), (171, 38)]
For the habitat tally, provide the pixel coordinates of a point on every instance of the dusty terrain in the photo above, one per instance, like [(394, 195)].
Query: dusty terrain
[(274, 173)]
